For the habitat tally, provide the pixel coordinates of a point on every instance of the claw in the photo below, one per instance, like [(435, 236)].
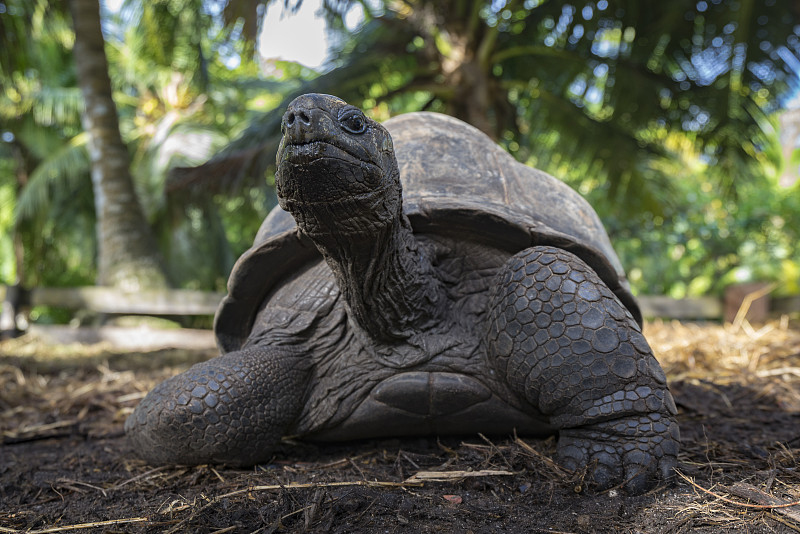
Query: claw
[(568, 346), (635, 463)]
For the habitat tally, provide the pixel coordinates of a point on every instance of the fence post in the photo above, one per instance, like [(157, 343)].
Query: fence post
[(752, 299), (14, 299)]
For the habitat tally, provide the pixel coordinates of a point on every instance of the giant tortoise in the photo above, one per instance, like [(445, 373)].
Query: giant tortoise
[(422, 282)]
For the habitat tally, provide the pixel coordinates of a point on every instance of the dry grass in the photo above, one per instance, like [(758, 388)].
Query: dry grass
[(749, 370), (52, 390), (723, 353)]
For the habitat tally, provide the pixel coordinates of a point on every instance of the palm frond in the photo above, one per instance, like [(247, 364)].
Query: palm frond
[(60, 106), (381, 47), (572, 84), (183, 144), (65, 171)]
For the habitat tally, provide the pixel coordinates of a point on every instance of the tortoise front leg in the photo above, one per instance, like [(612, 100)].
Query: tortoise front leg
[(231, 409), (566, 345)]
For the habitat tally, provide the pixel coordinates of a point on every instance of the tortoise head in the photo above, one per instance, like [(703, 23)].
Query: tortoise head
[(337, 173)]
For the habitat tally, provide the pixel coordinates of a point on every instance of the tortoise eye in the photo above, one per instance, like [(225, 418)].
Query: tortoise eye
[(353, 121)]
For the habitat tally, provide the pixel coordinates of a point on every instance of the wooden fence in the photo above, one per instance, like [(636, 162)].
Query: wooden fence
[(180, 302), (102, 300), (116, 302)]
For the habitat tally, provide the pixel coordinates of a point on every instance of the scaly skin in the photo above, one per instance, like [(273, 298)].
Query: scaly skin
[(566, 344), (231, 409)]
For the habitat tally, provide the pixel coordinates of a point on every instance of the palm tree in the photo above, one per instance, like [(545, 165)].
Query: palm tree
[(592, 88), (176, 57), (127, 254), (177, 103)]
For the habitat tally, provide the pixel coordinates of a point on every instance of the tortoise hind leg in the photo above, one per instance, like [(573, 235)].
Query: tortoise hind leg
[(566, 345), (231, 409)]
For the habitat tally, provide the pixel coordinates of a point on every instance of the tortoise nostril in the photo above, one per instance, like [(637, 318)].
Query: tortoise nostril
[(297, 118)]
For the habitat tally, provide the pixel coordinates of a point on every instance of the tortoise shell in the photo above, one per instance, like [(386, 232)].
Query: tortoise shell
[(456, 182)]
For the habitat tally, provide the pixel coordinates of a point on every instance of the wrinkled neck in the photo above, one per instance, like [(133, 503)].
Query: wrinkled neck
[(387, 280)]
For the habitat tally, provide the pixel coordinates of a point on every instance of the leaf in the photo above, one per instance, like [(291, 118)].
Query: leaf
[(65, 171)]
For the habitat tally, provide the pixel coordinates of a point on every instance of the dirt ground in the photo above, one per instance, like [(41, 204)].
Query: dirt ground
[(65, 465)]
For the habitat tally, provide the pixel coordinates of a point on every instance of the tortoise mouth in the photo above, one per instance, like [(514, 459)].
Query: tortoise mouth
[(343, 201), (346, 215), (304, 152), (319, 172)]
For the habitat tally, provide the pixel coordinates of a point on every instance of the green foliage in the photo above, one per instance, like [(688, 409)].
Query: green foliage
[(659, 112), (7, 198), (40, 117), (703, 240), (192, 96), (595, 84), (179, 99), (707, 242)]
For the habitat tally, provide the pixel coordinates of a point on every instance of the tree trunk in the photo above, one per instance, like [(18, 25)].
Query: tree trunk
[(466, 68), (472, 102), (127, 253)]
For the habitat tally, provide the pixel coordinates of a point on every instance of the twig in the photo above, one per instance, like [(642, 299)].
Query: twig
[(44, 427), (364, 511), (79, 526), (542, 457), (217, 474), (337, 463), (137, 477), (68, 484), (737, 503), (312, 512), (367, 483), (59, 429), (748, 300), (779, 519), (756, 495), (778, 371), (290, 514), (447, 476), (495, 449), (355, 466), (409, 460), (273, 487)]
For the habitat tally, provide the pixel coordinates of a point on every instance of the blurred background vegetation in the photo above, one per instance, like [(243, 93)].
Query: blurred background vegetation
[(665, 115)]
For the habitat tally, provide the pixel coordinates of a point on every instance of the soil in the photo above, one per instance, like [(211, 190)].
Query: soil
[(65, 465)]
